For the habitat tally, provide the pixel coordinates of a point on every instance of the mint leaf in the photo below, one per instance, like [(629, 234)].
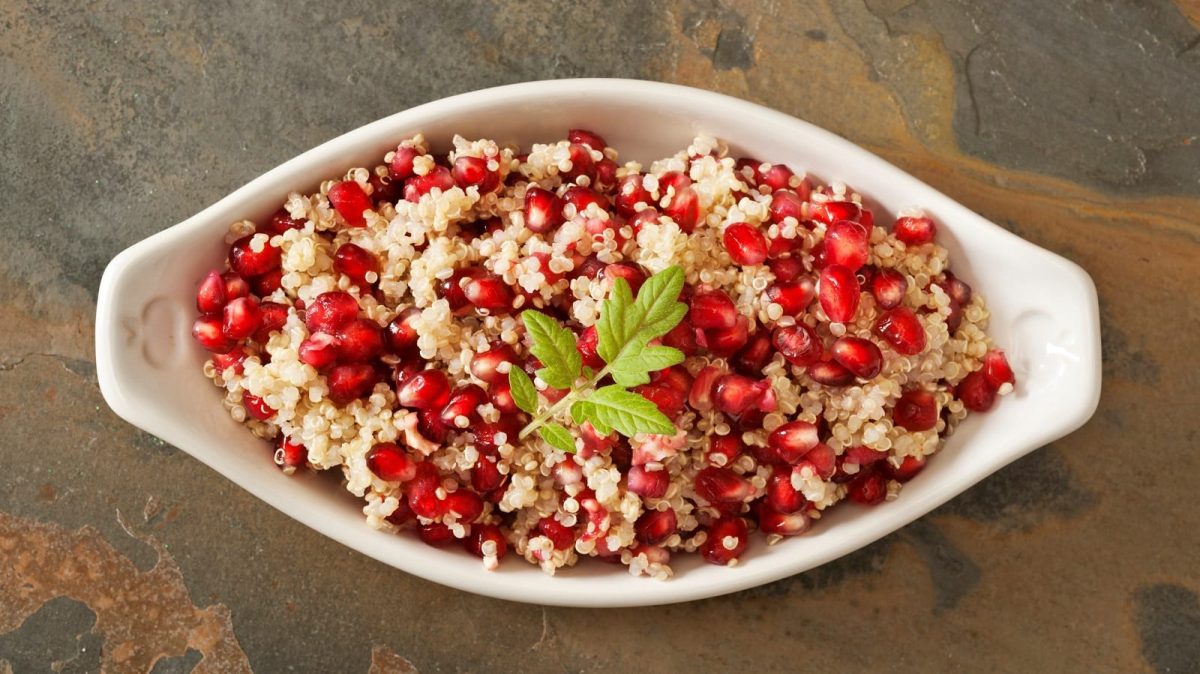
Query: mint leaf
[(524, 393), (557, 436), (629, 413), (555, 347), (633, 366)]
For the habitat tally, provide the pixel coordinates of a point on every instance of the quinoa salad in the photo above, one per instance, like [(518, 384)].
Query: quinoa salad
[(552, 354)]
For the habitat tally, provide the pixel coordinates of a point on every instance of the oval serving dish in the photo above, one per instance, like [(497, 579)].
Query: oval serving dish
[(1044, 309)]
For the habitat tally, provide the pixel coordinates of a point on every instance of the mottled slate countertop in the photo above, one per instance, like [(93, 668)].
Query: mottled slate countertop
[(1073, 123)]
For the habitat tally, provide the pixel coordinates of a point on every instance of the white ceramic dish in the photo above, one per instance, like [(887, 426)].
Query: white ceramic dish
[(1044, 312)]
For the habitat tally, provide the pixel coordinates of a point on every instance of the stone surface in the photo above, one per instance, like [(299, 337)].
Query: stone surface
[(1073, 124)]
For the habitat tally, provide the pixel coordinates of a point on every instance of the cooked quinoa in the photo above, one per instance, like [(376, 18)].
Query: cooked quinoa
[(421, 230)]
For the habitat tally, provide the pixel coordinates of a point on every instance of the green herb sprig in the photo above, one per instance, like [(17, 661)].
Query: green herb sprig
[(624, 331)]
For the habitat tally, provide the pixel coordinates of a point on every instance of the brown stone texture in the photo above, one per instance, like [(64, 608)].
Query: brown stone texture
[(1074, 124)]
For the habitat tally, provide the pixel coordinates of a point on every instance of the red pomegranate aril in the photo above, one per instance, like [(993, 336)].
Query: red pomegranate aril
[(777, 177), (869, 487), (451, 289), (721, 485), (996, 369), (207, 331), (210, 298), (422, 492), (725, 342), (280, 222), (647, 483), (586, 345), (861, 455), (500, 394), (486, 540), (859, 356), (485, 366), (485, 475), (830, 212), (712, 309), (383, 189), (723, 450), (474, 172), (582, 164), (647, 216), (425, 390), (668, 400), (914, 231), (290, 455), (257, 407), (248, 263), (583, 197), (792, 296), (632, 274), (655, 526), (789, 442), (772, 521), (272, 318), (543, 210), (916, 410), (235, 358), (907, 470), (589, 138), (467, 505), (976, 393), (700, 394), (726, 541), (786, 204), (462, 403), (606, 175), (798, 344), (439, 178), (267, 283), (888, 287), (241, 318), (560, 535), (830, 373), (359, 340), (235, 286), (430, 426), (754, 356), (822, 459), (682, 337), (684, 209), (435, 534), (631, 194), (356, 262), (838, 292), (957, 289), (901, 328), (319, 350), (330, 311), (401, 333), (390, 463), (846, 244), (489, 292), (350, 201), (401, 166), (734, 394), (781, 495), (350, 381), (745, 244), (954, 318), (786, 268)]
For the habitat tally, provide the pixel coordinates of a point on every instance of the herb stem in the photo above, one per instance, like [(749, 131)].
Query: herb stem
[(561, 404)]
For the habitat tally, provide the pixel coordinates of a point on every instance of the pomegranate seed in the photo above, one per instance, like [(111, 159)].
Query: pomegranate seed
[(467, 505), (914, 231), (907, 470), (462, 403), (631, 195), (586, 344), (383, 188), (915, 410), (248, 263), (888, 287), (862, 456), (257, 407), (711, 309), (543, 210), (319, 350), (723, 450), (582, 197), (290, 455), (451, 289), (355, 262), (486, 540), (668, 400), (976, 393), (390, 463), (207, 331), (735, 394), (486, 476), (330, 311), (726, 541), (273, 316), (786, 268), (646, 216), (655, 526), (235, 358), (838, 291), (560, 535), (350, 201), (474, 172), (792, 296), (822, 459), (682, 337), (859, 356), (632, 274), (582, 164), (684, 209), (606, 175), (721, 485), (799, 344), (434, 534), (210, 298), (725, 342), (957, 289), (242, 318), (350, 382), (754, 356), (489, 292), (647, 483), (745, 244), (422, 492), (235, 286), (954, 318), (439, 178), (902, 329), (359, 340), (280, 222), (777, 177), (267, 283), (501, 397), (830, 373), (996, 369), (593, 442), (484, 365), (846, 244), (781, 495), (426, 390), (401, 167), (700, 394), (401, 515), (588, 138), (786, 204), (401, 334), (772, 521), (868, 487), (791, 441), (830, 212)]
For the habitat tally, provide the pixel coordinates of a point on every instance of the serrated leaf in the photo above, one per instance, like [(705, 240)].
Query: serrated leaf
[(626, 324), (524, 393), (554, 346), (557, 436), (658, 304), (611, 336), (632, 368), (613, 407)]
